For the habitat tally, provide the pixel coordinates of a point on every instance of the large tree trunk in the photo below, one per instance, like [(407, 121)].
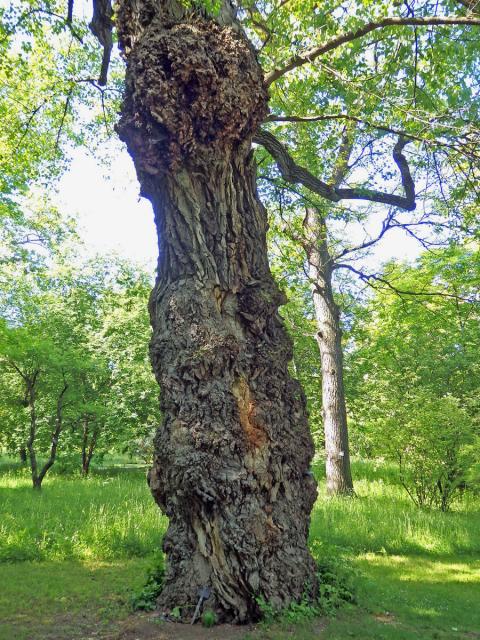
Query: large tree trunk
[(329, 338), (232, 456)]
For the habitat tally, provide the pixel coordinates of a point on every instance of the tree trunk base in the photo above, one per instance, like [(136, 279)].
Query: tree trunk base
[(231, 469)]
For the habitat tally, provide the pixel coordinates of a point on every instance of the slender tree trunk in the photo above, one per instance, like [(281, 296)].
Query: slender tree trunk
[(85, 463), (30, 445), (329, 338), (84, 446), (23, 455), (37, 483), (232, 456), (88, 448)]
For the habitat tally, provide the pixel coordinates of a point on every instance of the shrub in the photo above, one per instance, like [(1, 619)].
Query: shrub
[(432, 439), (434, 451), (209, 619)]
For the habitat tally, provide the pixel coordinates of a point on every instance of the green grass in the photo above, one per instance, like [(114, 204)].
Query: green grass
[(66, 599), (105, 517), (382, 519), (91, 541)]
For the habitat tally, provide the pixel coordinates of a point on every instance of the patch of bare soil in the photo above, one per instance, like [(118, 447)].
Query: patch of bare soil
[(151, 627), (386, 618)]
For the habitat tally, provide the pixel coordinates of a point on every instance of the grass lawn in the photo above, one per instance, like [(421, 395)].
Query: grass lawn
[(405, 597), (71, 557)]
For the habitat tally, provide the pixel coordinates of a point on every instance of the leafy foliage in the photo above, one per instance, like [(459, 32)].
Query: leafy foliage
[(209, 619), (336, 587), (414, 378), (79, 330)]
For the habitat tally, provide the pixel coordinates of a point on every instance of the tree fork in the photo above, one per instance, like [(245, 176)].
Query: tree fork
[(232, 455)]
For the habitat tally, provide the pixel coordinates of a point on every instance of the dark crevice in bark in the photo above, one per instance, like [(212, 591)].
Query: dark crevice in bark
[(232, 456)]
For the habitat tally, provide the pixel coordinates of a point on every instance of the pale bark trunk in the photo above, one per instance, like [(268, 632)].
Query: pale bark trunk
[(232, 456), (329, 338)]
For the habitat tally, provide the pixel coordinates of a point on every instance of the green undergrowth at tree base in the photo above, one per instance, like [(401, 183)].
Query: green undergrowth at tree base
[(146, 598), (209, 619), (336, 587)]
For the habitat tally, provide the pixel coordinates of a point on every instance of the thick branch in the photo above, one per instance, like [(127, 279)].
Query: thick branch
[(406, 202), (70, 11), (315, 52), (292, 172)]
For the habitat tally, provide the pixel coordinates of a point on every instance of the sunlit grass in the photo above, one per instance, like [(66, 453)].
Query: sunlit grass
[(99, 518), (112, 515), (382, 519)]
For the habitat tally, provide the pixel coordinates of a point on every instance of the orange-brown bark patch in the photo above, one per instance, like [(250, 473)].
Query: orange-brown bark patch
[(254, 433)]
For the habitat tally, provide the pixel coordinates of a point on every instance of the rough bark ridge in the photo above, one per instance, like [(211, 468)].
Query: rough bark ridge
[(231, 467)]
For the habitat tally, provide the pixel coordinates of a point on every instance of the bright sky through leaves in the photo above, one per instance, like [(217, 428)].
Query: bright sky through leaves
[(112, 217)]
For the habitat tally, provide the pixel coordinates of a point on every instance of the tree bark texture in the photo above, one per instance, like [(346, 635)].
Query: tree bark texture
[(329, 338), (232, 455)]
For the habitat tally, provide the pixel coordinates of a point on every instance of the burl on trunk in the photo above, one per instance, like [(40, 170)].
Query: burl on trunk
[(232, 455)]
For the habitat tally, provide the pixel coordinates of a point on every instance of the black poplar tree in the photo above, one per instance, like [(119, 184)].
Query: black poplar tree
[(232, 455)]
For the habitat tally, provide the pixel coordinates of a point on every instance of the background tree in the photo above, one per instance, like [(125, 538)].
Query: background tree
[(72, 387), (40, 359), (298, 315), (351, 82), (132, 409)]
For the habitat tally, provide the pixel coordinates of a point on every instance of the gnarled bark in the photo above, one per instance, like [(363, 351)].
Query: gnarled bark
[(232, 455)]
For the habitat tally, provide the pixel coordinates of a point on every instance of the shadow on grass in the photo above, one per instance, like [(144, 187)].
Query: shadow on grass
[(65, 599)]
